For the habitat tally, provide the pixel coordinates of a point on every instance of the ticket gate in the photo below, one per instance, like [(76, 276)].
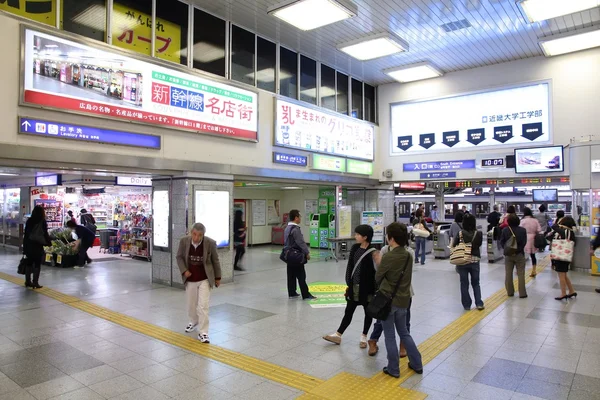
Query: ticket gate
[(495, 252), (441, 242)]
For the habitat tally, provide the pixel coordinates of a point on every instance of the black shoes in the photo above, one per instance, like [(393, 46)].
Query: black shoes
[(294, 296), (418, 371), (572, 295), (562, 297), (387, 372), (597, 290), (28, 284), (310, 297)]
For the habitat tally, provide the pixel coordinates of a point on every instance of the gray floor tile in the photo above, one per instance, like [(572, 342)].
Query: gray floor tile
[(545, 390), (498, 379), (550, 375), (443, 383), (132, 364), (583, 395), (54, 388), (269, 391), (210, 372), (586, 383), (567, 365), (176, 384), (237, 382), (116, 386), (457, 370), (20, 394), (145, 393), (153, 373), (165, 354), (27, 374), (205, 392), (113, 355), (97, 374), (16, 356), (507, 366), (478, 391), (80, 364), (7, 386), (80, 394)]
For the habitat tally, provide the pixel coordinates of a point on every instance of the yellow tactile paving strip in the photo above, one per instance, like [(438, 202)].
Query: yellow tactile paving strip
[(343, 386)]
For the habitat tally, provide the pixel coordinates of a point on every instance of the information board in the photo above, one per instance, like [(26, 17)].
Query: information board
[(69, 76), (503, 117), (305, 128), (259, 212), (160, 218), (212, 210), (375, 220)]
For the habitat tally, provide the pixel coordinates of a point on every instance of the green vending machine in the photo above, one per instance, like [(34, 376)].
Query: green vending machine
[(314, 231)]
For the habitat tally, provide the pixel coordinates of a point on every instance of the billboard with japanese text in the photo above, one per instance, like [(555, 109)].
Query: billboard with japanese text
[(307, 129), (43, 11), (508, 117), (65, 75)]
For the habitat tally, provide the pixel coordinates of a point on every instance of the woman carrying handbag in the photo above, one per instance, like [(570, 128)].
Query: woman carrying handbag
[(562, 255), (421, 233), (468, 240), (35, 238)]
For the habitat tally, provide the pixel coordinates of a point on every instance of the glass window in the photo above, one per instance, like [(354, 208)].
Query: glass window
[(288, 73), (172, 31), (342, 93), (209, 43), (357, 93), (370, 111), (84, 17), (43, 11), (266, 64), (308, 80), (242, 55), (327, 90), (132, 25)]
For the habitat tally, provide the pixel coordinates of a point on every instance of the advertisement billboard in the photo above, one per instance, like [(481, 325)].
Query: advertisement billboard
[(502, 117), (69, 76), (305, 128)]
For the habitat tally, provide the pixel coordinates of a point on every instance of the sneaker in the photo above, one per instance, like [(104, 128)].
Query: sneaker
[(373, 348), (363, 344), (294, 296), (203, 337), (310, 297), (335, 339), (481, 307), (190, 327)]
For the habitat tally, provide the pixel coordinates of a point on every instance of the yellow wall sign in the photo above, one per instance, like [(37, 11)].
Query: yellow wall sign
[(132, 30), (43, 11)]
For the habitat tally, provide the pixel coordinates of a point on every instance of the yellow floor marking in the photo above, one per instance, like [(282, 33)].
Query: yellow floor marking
[(343, 386)]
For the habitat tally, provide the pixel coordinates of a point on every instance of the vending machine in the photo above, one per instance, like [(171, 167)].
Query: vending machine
[(314, 230)]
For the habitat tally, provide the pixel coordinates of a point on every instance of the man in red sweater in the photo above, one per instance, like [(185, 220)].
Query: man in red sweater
[(198, 261)]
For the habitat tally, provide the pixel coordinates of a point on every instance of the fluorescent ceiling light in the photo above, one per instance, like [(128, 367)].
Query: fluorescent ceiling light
[(374, 46), (207, 52), (7, 174), (93, 17), (323, 92), (51, 45), (291, 187), (312, 14), (570, 42), (414, 72), (541, 10)]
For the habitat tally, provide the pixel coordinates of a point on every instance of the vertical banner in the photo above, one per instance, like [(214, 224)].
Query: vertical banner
[(345, 219)]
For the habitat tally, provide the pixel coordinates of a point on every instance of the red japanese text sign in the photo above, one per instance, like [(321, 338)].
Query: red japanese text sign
[(322, 132), (66, 75)]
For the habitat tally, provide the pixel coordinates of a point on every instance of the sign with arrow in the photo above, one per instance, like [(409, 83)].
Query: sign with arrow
[(437, 175), (503, 133), (405, 142), (450, 138), (427, 140), (532, 131), (476, 136)]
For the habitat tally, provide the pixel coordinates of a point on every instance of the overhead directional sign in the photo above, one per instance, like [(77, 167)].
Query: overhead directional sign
[(404, 142), (476, 136), (86, 133), (437, 175), (450, 138), (427, 140), (439, 165), (503, 133)]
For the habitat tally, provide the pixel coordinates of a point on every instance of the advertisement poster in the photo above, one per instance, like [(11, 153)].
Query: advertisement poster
[(595, 230), (212, 210), (274, 211), (345, 221), (542, 159), (160, 218), (310, 208), (503, 117), (54, 212), (43, 11), (304, 128), (109, 85), (375, 220), (259, 212)]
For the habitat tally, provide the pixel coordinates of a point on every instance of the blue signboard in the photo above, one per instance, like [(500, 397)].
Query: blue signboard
[(86, 133), (439, 165), (437, 175), (290, 159)]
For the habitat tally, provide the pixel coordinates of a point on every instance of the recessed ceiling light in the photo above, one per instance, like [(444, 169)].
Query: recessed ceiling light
[(570, 42), (541, 10), (374, 46), (414, 72), (311, 14), (291, 187), (7, 174)]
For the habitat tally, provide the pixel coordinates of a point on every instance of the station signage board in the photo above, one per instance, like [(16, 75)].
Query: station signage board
[(80, 133), (437, 175), (595, 165), (309, 129), (290, 159), (438, 166), (48, 180), (133, 181), (69, 76), (505, 117), (328, 163), (359, 167)]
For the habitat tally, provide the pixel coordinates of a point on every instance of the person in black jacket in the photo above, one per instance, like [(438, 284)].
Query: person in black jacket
[(360, 279), (239, 237), (493, 221), (516, 257), (35, 238), (564, 230), (86, 239), (470, 234)]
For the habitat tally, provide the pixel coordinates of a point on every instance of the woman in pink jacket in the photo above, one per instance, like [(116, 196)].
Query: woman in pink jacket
[(532, 226)]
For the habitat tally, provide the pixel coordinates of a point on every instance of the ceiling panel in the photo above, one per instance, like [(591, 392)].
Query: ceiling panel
[(498, 32)]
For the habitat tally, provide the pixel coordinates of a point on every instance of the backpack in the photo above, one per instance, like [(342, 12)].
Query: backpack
[(89, 224), (511, 246)]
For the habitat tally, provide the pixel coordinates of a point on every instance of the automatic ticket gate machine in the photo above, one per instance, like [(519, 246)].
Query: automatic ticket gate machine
[(494, 250), (441, 241)]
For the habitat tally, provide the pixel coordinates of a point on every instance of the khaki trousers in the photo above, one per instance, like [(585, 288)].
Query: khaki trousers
[(198, 299), (510, 262)]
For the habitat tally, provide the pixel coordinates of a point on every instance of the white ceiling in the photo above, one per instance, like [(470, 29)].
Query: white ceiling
[(499, 32)]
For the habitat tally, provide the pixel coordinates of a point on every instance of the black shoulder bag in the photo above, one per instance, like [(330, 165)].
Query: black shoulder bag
[(381, 305), (291, 254)]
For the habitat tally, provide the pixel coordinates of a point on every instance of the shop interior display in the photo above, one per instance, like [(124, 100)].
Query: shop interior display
[(9, 212), (135, 238)]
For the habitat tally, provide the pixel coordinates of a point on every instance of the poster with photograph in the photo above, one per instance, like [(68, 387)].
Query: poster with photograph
[(65, 75), (375, 220), (274, 212), (259, 212)]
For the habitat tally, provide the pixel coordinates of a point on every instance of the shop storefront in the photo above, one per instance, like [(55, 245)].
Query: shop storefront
[(9, 216)]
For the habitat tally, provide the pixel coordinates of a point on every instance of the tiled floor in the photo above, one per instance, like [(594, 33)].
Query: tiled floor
[(535, 348)]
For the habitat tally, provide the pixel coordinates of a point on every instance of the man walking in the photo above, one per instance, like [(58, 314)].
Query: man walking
[(200, 268), (293, 238)]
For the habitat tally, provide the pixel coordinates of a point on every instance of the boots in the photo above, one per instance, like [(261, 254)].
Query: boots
[(402, 350), (373, 348)]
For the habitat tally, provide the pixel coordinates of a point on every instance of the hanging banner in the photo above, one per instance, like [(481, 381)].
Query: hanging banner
[(307, 129), (68, 76), (43, 11), (499, 118)]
